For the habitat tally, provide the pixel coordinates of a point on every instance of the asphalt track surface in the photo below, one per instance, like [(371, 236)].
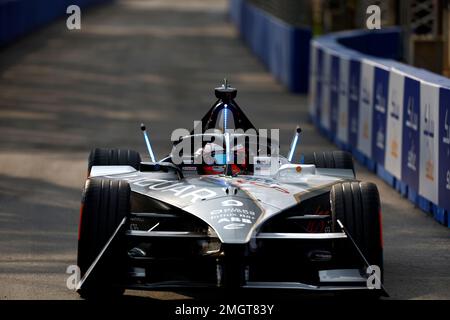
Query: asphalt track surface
[(64, 92)]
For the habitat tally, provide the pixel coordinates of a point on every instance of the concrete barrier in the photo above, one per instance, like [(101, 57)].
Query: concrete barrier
[(283, 48), (394, 118)]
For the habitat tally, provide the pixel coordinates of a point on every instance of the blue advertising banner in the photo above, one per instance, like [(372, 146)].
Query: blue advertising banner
[(334, 94), (342, 126), (319, 77), (365, 111), (381, 89), (444, 149), (312, 81), (325, 87), (353, 101), (411, 134)]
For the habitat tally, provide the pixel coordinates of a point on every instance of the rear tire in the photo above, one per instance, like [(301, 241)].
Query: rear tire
[(104, 205), (330, 159), (357, 206), (113, 157)]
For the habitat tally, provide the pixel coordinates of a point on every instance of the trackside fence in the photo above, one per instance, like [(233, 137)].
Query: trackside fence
[(394, 118), (283, 48)]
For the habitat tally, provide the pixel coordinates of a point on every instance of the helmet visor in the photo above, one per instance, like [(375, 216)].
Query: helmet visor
[(220, 158)]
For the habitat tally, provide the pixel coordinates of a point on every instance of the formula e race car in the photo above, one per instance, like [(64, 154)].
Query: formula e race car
[(225, 210)]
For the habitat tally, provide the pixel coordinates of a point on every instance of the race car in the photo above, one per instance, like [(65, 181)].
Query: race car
[(228, 211)]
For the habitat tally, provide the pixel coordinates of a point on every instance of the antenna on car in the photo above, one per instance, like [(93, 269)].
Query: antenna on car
[(225, 83), (225, 107), (228, 168), (294, 143), (147, 142)]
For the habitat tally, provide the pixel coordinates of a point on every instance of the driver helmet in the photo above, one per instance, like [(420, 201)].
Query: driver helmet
[(213, 158)]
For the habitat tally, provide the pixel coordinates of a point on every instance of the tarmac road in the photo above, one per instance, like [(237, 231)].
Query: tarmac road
[(64, 92)]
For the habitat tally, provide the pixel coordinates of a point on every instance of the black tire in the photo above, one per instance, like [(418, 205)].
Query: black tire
[(104, 205), (330, 159), (113, 157), (357, 206)]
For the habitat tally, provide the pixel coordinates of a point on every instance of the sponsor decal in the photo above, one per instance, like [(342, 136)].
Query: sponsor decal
[(366, 109), (353, 101), (412, 121), (380, 102), (179, 189), (394, 125), (234, 226), (444, 149), (395, 114), (264, 183), (238, 217), (189, 168), (429, 142), (411, 134), (232, 203), (446, 136)]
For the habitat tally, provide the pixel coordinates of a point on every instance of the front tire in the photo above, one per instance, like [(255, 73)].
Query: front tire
[(104, 205), (357, 206), (114, 157), (330, 159)]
